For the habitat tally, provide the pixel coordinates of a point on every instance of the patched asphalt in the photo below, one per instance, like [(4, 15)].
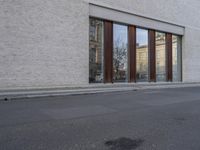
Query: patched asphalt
[(160, 119)]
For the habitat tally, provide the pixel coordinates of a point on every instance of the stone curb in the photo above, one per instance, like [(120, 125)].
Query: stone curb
[(15, 95)]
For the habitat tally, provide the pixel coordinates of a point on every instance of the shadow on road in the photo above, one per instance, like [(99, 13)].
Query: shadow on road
[(124, 144)]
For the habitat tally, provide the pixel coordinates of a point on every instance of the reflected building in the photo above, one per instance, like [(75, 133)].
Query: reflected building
[(161, 57), (142, 60), (96, 51), (176, 58)]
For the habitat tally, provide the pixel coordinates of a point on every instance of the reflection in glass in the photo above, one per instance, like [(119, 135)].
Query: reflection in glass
[(120, 53), (160, 57), (176, 58), (96, 51), (142, 55)]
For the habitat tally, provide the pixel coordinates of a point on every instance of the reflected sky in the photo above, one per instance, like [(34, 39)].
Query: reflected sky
[(120, 34), (142, 36)]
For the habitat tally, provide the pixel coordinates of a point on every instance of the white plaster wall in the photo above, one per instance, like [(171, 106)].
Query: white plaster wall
[(44, 43)]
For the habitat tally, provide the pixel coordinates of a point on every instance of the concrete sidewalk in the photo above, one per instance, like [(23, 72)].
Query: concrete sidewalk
[(12, 94)]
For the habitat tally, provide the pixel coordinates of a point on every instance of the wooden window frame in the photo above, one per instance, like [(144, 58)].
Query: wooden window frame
[(169, 64), (152, 55), (132, 53), (108, 51)]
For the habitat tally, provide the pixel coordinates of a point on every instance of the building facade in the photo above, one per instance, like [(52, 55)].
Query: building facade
[(50, 43)]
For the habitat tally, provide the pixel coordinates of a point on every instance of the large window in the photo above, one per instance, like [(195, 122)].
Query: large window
[(160, 56), (96, 51), (120, 53), (142, 60), (126, 53), (176, 58)]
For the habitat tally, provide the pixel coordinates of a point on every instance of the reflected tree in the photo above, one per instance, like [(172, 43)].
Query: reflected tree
[(119, 58)]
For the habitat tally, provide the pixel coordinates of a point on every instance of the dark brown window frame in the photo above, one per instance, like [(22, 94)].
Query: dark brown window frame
[(132, 53), (169, 65), (152, 55), (108, 51)]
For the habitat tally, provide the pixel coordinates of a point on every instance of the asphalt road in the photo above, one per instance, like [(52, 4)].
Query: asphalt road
[(166, 119)]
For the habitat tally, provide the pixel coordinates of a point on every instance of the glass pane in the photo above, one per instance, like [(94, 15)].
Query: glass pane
[(160, 57), (176, 58), (120, 53), (142, 55), (96, 51)]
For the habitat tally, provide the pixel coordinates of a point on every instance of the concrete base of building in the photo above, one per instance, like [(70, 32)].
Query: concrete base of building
[(16, 94)]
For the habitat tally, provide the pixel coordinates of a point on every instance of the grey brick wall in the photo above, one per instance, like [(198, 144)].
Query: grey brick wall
[(44, 43)]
